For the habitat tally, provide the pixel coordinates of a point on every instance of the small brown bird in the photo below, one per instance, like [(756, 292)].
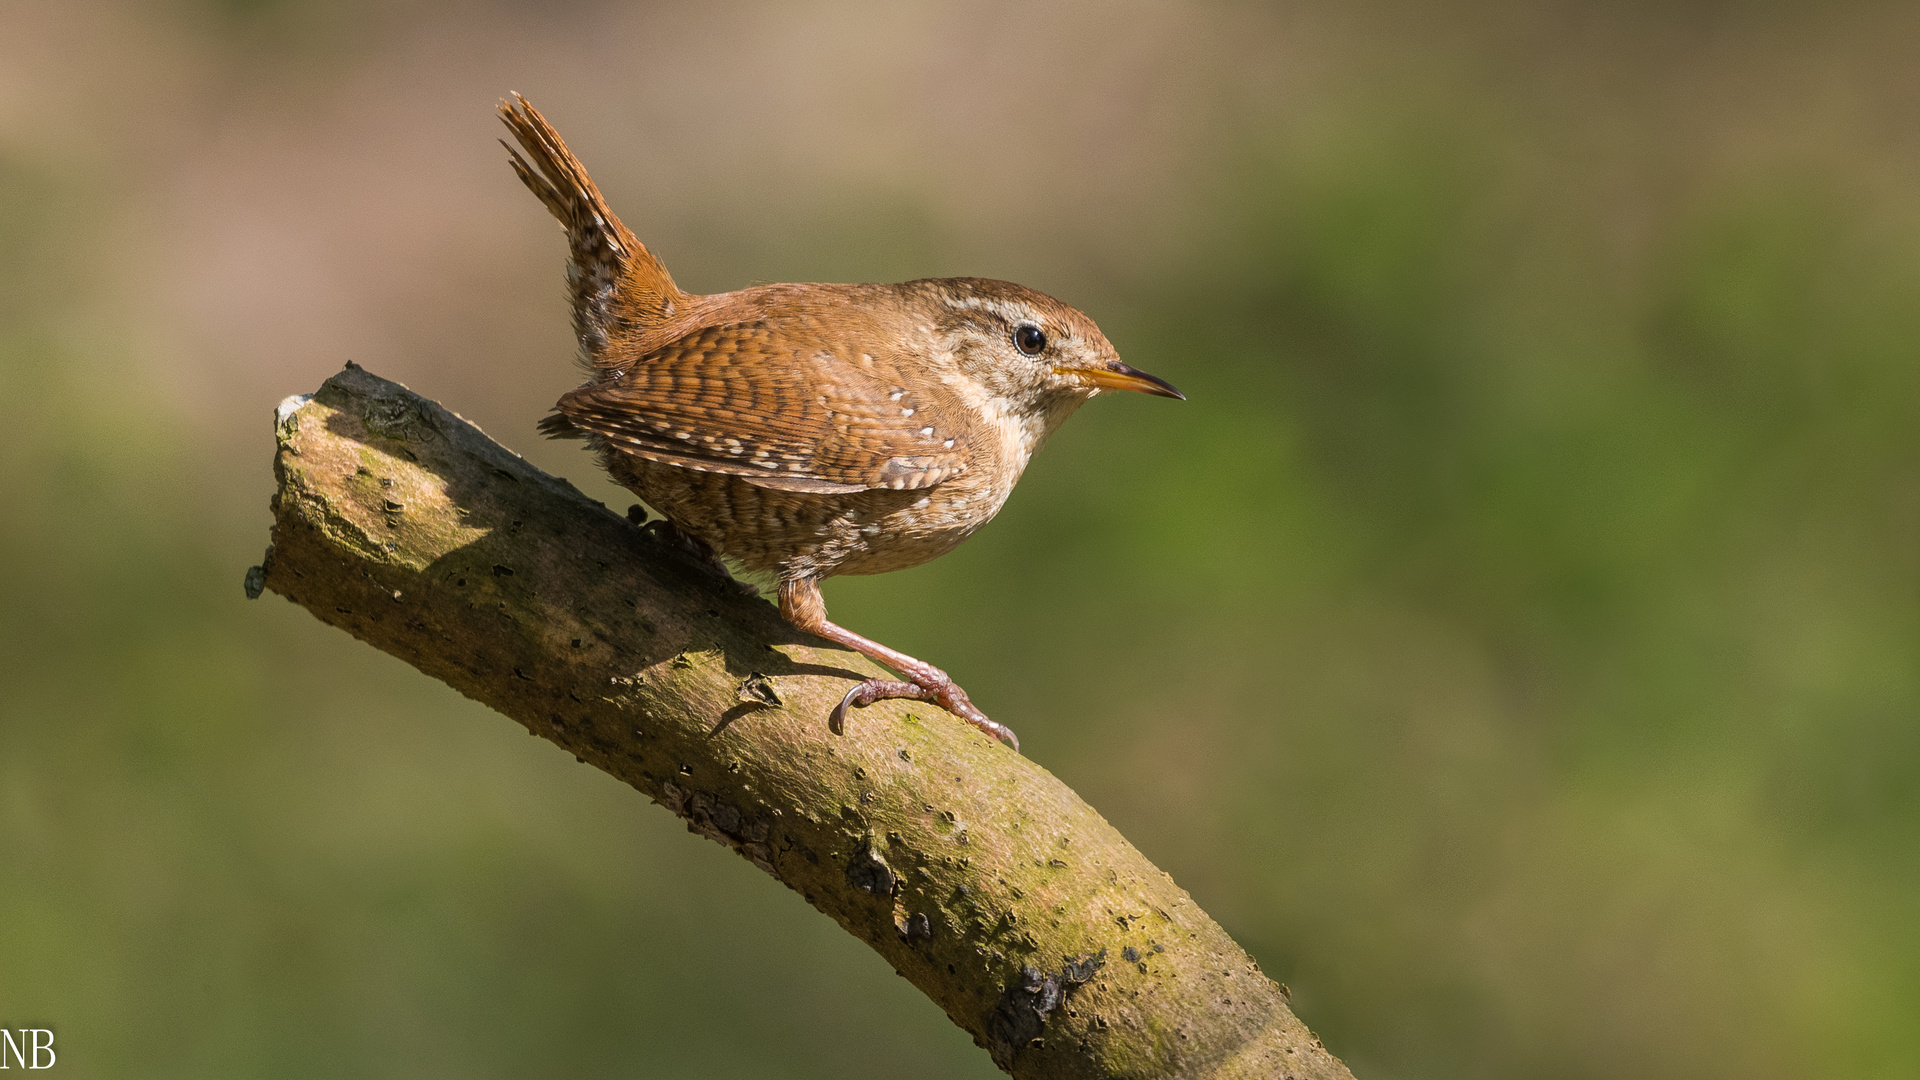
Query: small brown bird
[(810, 429)]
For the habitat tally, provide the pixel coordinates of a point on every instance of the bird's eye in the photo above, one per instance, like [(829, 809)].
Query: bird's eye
[(1029, 340)]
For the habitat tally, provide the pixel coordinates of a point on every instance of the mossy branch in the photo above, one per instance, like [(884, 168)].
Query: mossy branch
[(979, 876)]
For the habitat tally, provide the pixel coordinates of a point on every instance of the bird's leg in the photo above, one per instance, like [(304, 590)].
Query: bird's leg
[(802, 605)]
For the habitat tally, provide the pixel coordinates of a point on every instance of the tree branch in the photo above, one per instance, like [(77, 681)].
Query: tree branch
[(980, 877)]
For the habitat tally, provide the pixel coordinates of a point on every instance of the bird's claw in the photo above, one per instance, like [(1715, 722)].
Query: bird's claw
[(948, 696)]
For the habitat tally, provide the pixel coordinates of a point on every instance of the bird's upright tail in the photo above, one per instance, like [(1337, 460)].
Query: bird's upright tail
[(614, 279)]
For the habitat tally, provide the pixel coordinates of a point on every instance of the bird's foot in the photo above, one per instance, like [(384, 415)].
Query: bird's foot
[(944, 693)]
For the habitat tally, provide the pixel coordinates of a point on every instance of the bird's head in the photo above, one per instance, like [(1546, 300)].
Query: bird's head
[(1032, 356)]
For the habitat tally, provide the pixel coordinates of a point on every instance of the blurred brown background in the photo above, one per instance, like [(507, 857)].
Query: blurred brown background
[(1515, 640)]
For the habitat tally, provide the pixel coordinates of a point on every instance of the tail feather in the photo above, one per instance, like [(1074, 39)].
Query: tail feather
[(614, 279)]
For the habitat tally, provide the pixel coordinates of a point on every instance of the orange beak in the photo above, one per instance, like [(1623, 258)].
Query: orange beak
[(1118, 376)]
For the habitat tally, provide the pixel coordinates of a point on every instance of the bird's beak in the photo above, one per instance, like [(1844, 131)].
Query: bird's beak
[(1115, 375)]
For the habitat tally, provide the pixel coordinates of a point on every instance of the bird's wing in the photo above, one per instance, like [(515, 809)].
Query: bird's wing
[(781, 406)]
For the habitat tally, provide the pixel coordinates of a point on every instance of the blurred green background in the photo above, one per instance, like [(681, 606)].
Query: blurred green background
[(1515, 640)]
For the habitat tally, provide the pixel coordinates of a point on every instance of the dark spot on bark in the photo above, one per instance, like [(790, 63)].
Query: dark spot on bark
[(502, 571), (869, 872), (1080, 970), (392, 506), (1020, 1017), (757, 688), (919, 926), (1130, 954), (255, 582), (721, 822)]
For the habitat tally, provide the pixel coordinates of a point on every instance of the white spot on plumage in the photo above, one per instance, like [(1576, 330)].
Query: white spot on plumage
[(926, 431), (906, 412)]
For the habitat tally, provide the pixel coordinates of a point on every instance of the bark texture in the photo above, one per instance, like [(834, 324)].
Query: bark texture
[(979, 876)]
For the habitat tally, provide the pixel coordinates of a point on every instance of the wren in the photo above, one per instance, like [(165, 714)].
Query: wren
[(811, 429)]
